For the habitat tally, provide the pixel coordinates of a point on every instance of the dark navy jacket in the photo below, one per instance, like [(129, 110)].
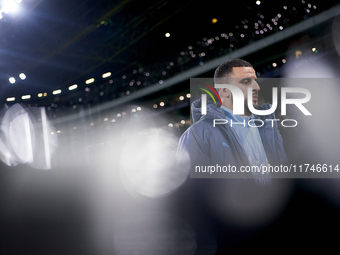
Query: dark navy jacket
[(210, 145)]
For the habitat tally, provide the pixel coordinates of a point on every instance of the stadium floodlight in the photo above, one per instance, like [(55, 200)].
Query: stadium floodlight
[(56, 92), (26, 97), (89, 81), (105, 75), (12, 80), (22, 76), (73, 87)]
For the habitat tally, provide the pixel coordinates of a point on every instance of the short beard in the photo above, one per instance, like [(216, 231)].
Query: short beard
[(247, 112)]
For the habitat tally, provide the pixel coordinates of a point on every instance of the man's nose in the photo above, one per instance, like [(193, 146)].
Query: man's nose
[(255, 86)]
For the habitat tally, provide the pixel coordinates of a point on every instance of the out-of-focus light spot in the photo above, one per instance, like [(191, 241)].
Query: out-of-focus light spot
[(87, 89), (155, 106), (245, 26), (56, 92), (183, 122), (74, 128), (281, 27), (127, 92), (298, 54), (167, 34), (285, 7), (74, 106), (80, 99), (113, 120), (181, 98), (161, 104), (274, 65), (214, 20), (188, 95), (123, 113), (58, 131), (258, 2), (308, 11), (171, 125), (309, 5), (105, 75), (9, 6), (40, 94), (284, 61), (73, 87), (124, 77), (161, 82), (139, 108), (12, 80), (314, 6), (231, 34), (242, 35), (91, 124), (106, 119), (164, 73), (10, 99), (89, 81), (22, 76), (314, 49), (52, 133), (133, 110), (119, 115), (26, 97)]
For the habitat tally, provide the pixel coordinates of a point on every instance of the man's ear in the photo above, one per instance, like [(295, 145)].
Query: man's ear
[(224, 92)]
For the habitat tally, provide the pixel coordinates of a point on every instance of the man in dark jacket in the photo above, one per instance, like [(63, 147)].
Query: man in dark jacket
[(211, 145), (235, 202)]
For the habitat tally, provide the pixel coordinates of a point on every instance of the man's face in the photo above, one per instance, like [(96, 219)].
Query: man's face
[(243, 78)]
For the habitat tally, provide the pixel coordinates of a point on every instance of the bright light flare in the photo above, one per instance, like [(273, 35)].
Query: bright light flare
[(167, 35), (10, 6), (105, 75), (89, 81), (22, 76), (73, 87), (26, 97), (12, 80), (56, 92)]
